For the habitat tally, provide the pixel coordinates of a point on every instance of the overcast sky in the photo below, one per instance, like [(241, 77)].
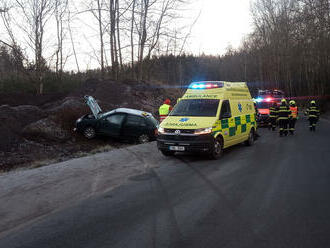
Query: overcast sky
[(222, 23)]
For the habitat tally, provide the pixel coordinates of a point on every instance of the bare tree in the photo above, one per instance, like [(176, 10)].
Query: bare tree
[(155, 20), (144, 10), (6, 20), (36, 14), (132, 36), (117, 7), (72, 41), (60, 11), (101, 32)]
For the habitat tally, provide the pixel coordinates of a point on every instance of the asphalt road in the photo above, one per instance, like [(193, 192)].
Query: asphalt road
[(274, 194)]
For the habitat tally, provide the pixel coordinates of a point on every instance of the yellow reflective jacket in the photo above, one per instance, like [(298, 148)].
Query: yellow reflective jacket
[(164, 109)]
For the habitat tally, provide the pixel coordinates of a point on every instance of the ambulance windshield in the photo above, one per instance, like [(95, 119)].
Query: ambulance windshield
[(196, 107)]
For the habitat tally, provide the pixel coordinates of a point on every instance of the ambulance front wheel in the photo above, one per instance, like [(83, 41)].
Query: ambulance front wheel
[(217, 148), (250, 140)]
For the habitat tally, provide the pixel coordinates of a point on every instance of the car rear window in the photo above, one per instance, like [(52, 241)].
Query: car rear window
[(134, 120), (153, 121), (116, 119)]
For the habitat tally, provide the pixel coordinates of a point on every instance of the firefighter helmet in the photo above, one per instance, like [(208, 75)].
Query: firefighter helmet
[(283, 100), (292, 102), (313, 102)]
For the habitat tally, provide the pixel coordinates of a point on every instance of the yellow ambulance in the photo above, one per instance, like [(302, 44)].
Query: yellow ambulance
[(210, 116)]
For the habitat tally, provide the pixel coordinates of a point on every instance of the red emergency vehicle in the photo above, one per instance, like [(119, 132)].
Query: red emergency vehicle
[(264, 101)]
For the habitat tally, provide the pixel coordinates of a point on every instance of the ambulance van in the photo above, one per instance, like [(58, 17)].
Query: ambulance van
[(210, 117)]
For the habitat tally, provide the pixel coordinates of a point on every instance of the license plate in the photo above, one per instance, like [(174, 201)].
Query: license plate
[(177, 148)]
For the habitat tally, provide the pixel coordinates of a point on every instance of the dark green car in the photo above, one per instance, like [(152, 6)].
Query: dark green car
[(121, 123)]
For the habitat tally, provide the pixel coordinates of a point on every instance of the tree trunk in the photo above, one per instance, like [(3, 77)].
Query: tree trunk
[(101, 37), (132, 38), (118, 35)]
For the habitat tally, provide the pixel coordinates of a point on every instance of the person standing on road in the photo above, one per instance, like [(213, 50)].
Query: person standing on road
[(293, 117), (165, 109), (273, 115), (256, 115), (313, 115), (283, 117)]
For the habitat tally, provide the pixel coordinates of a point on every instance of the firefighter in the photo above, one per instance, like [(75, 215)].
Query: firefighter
[(283, 117), (313, 115), (165, 109), (257, 135), (273, 115), (293, 117)]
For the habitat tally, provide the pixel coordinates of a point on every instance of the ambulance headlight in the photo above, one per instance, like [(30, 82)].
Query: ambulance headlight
[(161, 130), (203, 131)]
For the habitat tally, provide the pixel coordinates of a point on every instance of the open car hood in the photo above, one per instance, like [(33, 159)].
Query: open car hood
[(93, 105)]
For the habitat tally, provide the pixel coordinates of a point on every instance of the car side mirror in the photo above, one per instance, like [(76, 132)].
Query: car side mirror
[(226, 115)]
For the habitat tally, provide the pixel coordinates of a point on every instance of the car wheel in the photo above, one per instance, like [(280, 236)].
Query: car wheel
[(250, 140), (167, 153), (144, 138), (89, 133), (217, 149)]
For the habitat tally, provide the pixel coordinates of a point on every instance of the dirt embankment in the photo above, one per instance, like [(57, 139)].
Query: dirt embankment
[(35, 130)]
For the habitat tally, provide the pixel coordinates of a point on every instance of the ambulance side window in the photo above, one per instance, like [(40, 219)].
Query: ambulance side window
[(225, 110)]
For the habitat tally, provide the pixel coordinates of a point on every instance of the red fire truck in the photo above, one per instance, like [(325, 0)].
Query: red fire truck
[(264, 101)]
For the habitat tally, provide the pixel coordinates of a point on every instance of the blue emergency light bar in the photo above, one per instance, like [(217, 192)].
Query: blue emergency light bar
[(205, 85), (267, 99)]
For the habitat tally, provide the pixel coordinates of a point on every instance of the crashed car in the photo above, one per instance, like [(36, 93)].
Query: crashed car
[(121, 123)]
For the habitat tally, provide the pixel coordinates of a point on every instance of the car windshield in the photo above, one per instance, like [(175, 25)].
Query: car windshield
[(264, 105), (196, 107)]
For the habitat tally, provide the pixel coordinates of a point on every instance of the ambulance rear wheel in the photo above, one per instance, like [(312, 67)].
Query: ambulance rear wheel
[(217, 148), (250, 140)]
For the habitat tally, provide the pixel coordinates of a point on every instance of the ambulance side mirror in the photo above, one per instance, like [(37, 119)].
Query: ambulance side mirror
[(225, 115)]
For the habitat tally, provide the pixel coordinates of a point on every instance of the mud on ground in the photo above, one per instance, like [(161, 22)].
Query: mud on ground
[(37, 130)]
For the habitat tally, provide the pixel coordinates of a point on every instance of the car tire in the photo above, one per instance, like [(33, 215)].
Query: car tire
[(250, 140), (217, 149), (167, 153), (143, 138), (89, 133)]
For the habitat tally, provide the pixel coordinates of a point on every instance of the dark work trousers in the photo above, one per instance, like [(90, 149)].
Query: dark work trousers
[(292, 124), (272, 123), (283, 124), (312, 123)]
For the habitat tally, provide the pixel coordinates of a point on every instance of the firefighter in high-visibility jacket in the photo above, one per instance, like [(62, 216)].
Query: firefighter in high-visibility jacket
[(293, 117), (273, 115), (165, 109), (313, 115), (283, 117)]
